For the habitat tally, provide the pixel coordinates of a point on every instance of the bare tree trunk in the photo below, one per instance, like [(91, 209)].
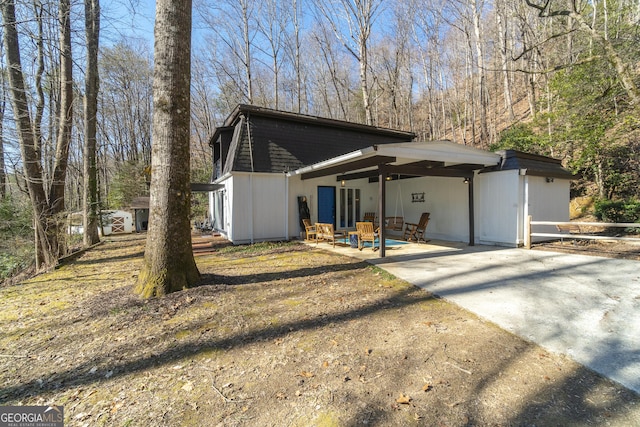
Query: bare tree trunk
[(3, 174), (3, 102), (37, 120), (359, 16), (502, 40), (168, 262), (90, 175), (481, 73), (46, 241), (298, 70), (65, 121), (623, 69), (247, 50)]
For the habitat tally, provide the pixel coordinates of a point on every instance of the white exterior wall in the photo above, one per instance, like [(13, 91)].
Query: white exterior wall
[(264, 206), (504, 199), (255, 207), (548, 201), (446, 199), (498, 207)]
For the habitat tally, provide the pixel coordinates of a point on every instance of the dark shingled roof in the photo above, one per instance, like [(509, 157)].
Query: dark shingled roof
[(276, 141), (535, 165)]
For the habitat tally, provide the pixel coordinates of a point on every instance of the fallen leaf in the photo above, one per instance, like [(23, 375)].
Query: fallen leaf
[(307, 374), (325, 364), (403, 399), (427, 387)]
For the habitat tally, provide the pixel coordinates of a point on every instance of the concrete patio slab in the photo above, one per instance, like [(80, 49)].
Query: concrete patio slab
[(585, 307)]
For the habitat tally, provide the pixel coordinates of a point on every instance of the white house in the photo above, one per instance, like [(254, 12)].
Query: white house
[(266, 161)]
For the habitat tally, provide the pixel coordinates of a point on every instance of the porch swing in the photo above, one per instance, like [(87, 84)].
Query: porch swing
[(391, 223), (395, 222)]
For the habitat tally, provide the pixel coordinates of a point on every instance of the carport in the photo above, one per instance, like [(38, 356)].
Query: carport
[(406, 160)]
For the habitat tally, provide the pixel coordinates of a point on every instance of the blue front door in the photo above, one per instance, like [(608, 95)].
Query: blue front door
[(327, 205)]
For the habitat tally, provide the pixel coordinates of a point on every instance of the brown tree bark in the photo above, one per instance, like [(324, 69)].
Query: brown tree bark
[(90, 188), (169, 265), (623, 69), (56, 192), (45, 236)]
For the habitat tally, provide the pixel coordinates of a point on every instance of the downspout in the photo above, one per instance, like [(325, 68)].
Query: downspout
[(286, 206), (472, 215), (526, 204), (250, 179)]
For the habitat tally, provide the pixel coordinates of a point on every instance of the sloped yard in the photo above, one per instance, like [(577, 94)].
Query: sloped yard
[(278, 334)]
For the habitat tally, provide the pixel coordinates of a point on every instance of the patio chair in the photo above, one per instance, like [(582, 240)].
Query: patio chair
[(366, 234), (326, 233), (416, 231), (309, 229)]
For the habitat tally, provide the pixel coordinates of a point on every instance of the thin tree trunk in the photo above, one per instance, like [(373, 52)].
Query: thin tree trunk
[(65, 121), (37, 120), (3, 174), (90, 175), (168, 262), (298, 71)]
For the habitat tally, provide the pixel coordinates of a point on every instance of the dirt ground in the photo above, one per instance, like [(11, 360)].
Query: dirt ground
[(278, 335)]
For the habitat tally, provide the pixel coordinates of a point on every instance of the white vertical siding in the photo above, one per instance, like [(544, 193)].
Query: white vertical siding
[(548, 201), (257, 204), (265, 207), (498, 201)]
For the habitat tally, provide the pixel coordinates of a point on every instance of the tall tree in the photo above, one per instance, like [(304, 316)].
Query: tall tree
[(168, 260), (90, 187), (352, 22), (623, 69), (3, 170), (45, 236), (65, 120)]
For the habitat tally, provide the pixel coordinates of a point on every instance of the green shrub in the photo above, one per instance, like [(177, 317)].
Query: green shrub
[(617, 210), (16, 236)]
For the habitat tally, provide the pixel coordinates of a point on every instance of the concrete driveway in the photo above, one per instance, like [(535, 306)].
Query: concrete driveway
[(585, 307)]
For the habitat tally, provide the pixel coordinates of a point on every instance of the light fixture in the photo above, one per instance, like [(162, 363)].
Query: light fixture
[(466, 180), (389, 178), (343, 183)]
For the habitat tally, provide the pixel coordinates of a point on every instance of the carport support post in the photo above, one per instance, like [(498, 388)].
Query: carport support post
[(382, 195), (472, 233)]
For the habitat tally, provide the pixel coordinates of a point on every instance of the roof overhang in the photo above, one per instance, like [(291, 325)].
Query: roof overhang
[(437, 158)]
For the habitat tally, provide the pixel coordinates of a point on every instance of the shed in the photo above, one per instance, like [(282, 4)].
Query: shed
[(140, 208)]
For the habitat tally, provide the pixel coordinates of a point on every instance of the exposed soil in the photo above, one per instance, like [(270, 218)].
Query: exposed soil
[(609, 249), (278, 335)]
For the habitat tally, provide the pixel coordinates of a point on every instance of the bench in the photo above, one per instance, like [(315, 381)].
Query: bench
[(326, 233), (568, 229)]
